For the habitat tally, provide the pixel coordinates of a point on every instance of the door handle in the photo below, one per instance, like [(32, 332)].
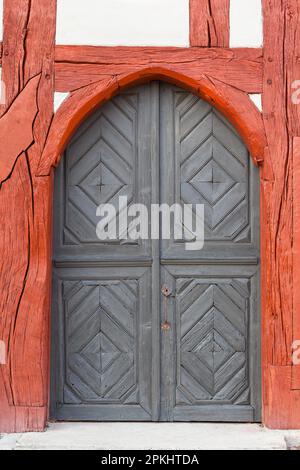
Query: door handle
[(166, 292)]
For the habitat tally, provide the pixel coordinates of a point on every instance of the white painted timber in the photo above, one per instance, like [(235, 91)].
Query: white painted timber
[(147, 436), (123, 22), (246, 23), (59, 98)]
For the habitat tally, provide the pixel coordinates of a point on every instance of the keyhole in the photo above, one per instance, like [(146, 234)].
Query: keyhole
[(166, 291)]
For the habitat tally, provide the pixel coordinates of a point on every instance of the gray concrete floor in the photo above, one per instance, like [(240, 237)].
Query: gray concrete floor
[(152, 436)]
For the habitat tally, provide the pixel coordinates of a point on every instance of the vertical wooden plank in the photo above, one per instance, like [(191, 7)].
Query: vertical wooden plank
[(280, 31), (14, 191), (155, 175), (15, 19), (278, 195), (292, 66), (293, 74), (209, 23), (25, 207), (296, 262)]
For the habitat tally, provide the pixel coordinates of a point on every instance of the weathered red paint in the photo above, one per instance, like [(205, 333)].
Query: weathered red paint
[(92, 75), (234, 104), (22, 127), (279, 258), (296, 270), (25, 212), (77, 66), (209, 23)]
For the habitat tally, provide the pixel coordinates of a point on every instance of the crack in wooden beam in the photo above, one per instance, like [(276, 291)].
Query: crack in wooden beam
[(279, 197), (25, 212), (78, 66), (209, 23), (18, 120)]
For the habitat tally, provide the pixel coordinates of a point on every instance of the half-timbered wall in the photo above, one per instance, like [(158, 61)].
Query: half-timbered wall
[(55, 57)]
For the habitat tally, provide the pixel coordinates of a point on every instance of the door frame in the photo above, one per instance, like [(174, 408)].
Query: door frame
[(237, 107), (255, 376), (30, 151)]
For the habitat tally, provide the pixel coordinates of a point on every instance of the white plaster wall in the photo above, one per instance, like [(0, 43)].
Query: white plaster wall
[(145, 22), (257, 100), (123, 22), (59, 98), (246, 23)]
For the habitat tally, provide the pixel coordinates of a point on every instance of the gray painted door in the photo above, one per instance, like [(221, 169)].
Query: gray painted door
[(122, 349)]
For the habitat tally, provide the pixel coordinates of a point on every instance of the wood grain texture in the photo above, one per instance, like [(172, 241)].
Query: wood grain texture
[(282, 408), (187, 175), (280, 30), (209, 23), (25, 207), (293, 74), (296, 261), (78, 66), (93, 75), (77, 107), (295, 374), (241, 67), (233, 103), (18, 121)]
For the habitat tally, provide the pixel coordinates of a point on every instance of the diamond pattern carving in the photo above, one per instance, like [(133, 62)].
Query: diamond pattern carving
[(212, 182), (100, 164), (213, 332), (100, 328), (213, 166), (108, 344)]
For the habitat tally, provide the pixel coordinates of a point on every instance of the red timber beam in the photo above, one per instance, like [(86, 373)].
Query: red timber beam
[(209, 23), (78, 66), (33, 140), (25, 212), (280, 208), (231, 102)]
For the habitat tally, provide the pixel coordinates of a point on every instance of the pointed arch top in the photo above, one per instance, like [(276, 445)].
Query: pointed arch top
[(234, 104)]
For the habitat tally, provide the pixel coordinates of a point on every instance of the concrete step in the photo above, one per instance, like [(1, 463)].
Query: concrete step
[(153, 436)]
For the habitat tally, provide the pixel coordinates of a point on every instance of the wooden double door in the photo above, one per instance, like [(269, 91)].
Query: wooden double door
[(145, 330)]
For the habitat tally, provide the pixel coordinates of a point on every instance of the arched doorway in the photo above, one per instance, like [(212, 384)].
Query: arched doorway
[(112, 360)]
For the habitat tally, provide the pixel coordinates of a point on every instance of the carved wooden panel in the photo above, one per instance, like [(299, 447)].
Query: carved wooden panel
[(104, 364), (213, 170), (156, 143), (109, 157), (101, 163), (211, 354), (205, 162), (100, 320)]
